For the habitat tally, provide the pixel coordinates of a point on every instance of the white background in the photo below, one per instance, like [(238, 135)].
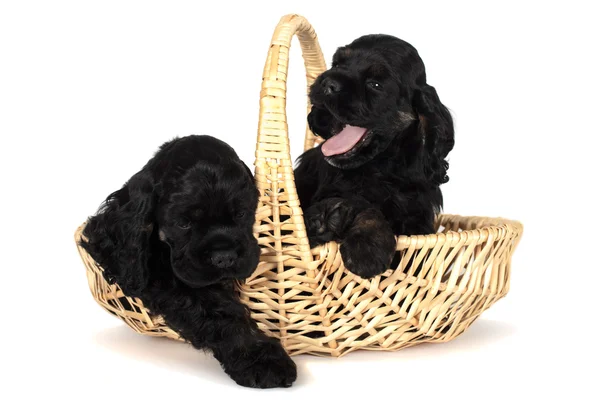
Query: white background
[(89, 90)]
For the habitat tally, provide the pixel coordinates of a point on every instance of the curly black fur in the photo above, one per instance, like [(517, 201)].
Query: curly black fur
[(388, 183), (177, 235)]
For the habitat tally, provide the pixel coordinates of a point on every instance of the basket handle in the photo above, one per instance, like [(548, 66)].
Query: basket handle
[(274, 173)]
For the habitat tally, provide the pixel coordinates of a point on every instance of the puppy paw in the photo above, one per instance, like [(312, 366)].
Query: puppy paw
[(369, 248), (264, 365), (366, 258), (326, 221)]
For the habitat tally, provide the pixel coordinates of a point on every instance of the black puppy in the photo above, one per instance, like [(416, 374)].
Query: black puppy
[(378, 172), (176, 236)]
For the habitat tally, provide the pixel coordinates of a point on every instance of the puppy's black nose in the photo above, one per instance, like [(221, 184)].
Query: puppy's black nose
[(331, 86), (223, 258)]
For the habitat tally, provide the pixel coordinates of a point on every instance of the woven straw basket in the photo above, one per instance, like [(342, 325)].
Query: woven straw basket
[(306, 297)]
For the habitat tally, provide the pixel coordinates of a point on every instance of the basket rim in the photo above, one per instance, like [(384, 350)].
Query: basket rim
[(490, 223), (496, 227)]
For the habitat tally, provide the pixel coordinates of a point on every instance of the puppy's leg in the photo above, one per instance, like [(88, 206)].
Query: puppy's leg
[(367, 240), (369, 245), (256, 360), (220, 323)]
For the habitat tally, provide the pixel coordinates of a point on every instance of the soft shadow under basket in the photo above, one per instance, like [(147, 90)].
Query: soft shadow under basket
[(306, 297)]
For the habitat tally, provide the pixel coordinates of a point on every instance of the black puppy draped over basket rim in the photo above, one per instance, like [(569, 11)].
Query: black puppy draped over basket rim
[(305, 296)]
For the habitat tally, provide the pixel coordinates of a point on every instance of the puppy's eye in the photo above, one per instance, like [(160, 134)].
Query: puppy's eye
[(374, 85), (335, 64), (184, 224)]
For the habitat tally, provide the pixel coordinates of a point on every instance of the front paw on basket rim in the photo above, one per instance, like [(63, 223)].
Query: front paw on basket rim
[(365, 259)]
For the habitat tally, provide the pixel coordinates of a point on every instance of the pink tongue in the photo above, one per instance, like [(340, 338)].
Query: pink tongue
[(343, 141)]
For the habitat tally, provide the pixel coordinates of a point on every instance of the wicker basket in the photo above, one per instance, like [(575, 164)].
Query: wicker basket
[(306, 297)]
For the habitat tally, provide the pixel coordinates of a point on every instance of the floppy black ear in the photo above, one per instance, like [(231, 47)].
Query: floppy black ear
[(437, 128), (118, 235)]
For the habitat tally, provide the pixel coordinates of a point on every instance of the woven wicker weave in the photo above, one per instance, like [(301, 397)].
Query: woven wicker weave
[(306, 297)]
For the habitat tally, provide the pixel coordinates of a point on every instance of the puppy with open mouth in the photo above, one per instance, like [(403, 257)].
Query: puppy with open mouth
[(378, 172)]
